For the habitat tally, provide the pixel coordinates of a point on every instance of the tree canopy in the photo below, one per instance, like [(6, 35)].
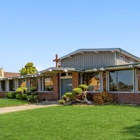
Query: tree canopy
[(29, 68)]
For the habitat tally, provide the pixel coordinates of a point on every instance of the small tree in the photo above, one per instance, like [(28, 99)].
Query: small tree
[(29, 68)]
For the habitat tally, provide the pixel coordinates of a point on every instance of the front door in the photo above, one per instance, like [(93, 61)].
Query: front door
[(66, 86)]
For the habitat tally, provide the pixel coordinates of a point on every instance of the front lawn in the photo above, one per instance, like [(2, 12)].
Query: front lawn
[(5, 102), (72, 123)]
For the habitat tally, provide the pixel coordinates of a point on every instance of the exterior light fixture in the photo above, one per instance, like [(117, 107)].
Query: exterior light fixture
[(102, 69), (49, 69), (95, 69), (65, 70)]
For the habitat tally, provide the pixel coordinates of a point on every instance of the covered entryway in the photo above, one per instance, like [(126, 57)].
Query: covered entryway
[(66, 86)]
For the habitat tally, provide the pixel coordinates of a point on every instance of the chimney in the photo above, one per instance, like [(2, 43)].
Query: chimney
[(1, 72)]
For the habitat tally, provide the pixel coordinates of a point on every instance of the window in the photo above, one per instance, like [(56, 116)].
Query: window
[(121, 80), (33, 82), (48, 83), (131, 61), (3, 85), (121, 57), (92, 80), (22, 83), (63, 74), (138, 75), (11, 85)]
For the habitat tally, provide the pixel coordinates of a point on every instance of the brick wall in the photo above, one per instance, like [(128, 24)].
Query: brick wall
[(54, 95), (2, 94), (45, 95), (129, 98), (75, 80), (56, 86)]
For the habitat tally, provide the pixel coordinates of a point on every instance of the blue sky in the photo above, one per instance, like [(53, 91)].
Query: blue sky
[(36, 30)]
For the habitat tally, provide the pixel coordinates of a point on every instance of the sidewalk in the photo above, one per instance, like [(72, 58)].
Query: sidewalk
[(27, 107)]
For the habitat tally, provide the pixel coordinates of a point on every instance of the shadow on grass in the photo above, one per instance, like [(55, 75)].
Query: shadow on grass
[(133, 131)]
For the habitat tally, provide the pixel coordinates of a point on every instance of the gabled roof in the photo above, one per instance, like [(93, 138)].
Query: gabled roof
[(101, 50)]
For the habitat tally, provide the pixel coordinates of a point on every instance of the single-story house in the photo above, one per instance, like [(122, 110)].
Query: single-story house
[(111, 69)]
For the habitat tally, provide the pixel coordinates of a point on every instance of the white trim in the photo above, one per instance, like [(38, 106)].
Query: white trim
[(59, 86), (137, 80), (133, 80), (7, 85), (46, 91), (122, 92), (39, 84), (115, 55), (42, 83), (81, 78), (107, 80), (101, 81)]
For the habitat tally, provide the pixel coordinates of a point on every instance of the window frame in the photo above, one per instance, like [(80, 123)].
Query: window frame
[(133, 81)]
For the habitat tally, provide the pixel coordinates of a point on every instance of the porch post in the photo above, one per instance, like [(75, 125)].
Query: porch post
[(26, 82), (42, 83), (0, 86), (101, 81), (17, 83), (7, 85), (107, 80), (39, 84), (135, 80), (81, 78)]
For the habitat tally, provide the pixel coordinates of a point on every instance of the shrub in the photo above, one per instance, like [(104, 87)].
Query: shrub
[(77, 91), (34, 93), (103, 97), (83, 87), (69, 95), (21, 90), (28, 92), (6, 94), (24, 89), (62, 101), (111, 98), (33, 89), (11, 95), (98, 99), (19, 96), (64, 97), (30, 97), (24, 96), (35, 97)]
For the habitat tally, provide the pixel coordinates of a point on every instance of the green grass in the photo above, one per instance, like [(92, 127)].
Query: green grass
[(4, 102), (72, 123)]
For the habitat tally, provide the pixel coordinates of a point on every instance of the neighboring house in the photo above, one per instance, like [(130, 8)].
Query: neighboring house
[(111, 69)]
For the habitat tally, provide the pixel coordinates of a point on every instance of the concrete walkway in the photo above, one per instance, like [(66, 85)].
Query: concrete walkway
[(27, 107)]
